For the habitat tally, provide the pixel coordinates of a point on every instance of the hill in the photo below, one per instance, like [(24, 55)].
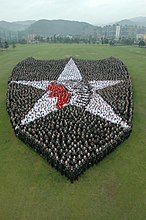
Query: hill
[(126, 22), (139, 21), (15, 26), (61, 27), (24, 24), (49, 27)]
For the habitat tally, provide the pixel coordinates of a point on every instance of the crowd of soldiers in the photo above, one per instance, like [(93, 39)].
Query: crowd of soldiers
[(71, 139)]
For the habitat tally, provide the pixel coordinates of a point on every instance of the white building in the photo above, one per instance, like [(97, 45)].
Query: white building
[(118, 29)]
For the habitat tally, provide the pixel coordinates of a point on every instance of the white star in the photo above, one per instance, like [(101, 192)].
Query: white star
[(72, 80)]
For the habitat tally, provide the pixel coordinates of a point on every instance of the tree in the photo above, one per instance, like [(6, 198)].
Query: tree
[(6, 45), (1, 45), (141, 43), (111, 43), (105, 41), (23, 41), (13, 45), (54, 38)]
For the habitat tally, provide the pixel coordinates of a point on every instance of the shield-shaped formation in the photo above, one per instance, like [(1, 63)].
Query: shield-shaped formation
[(72, 112)]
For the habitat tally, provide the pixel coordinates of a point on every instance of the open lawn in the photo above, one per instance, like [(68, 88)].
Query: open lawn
[(115, 189)]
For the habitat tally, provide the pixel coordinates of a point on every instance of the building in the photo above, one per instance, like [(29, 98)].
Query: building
[(117, 32), (141, 37), (118, 29)]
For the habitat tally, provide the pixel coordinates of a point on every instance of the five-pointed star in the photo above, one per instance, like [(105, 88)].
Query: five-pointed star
[(70, 77)]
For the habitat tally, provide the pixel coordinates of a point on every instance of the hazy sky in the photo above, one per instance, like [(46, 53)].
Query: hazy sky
[(92, 11)]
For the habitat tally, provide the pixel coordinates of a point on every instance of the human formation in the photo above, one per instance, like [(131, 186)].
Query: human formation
[(72, 112)]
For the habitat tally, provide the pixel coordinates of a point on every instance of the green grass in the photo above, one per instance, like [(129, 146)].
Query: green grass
[(112, 190)]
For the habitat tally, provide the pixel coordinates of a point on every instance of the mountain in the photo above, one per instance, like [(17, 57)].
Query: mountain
[(12, 31), (139, 21), (24, 24), (61, 27), (9, 26), (15, 26), (126, 22)]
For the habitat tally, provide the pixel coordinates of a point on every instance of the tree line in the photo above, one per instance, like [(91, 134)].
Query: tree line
[(6, 44), (68, 39)]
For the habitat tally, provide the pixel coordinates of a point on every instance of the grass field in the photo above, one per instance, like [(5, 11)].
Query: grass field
[(115, 189)]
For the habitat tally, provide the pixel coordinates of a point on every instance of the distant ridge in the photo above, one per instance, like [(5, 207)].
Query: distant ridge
[(15, 26), (65, 29), (61, 27), (139, 21)]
